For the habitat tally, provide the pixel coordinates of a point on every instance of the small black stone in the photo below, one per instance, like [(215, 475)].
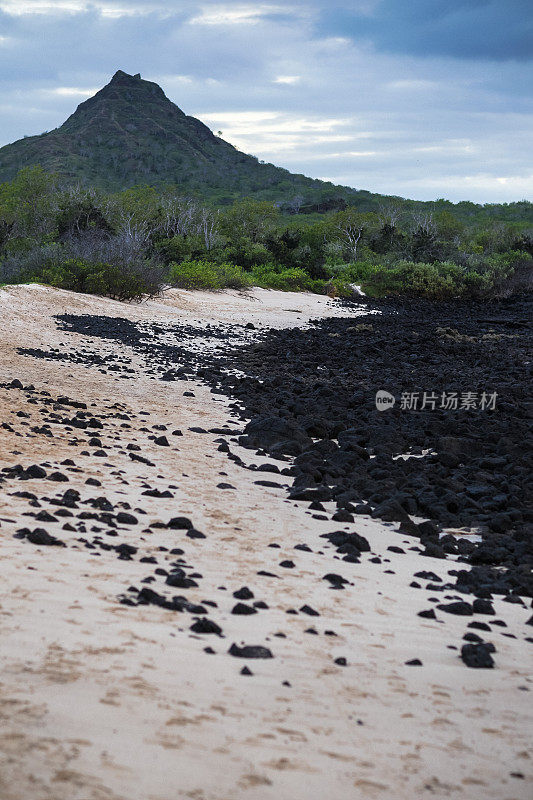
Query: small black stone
[(459, 607), (205, 625), (477, 656), (41, 537), (309, 610), (480, 626), (35, 471), (123, 518), (243, 594), (180, 523), (428, 613), (250, 651), (482, 606), (192, 533), (58, 477), (243, 609)]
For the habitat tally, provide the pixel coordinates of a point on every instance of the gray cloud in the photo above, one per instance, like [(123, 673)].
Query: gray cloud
[(340, 102), (495, 30)]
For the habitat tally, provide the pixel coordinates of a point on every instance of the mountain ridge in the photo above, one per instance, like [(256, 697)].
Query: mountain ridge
[(129, 132)]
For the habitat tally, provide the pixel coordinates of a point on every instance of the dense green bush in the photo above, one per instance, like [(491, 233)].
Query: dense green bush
[(126, 244), (293, 279), (173, 249), (208, 275), (120, 283), (194, 275), (438, 280), (234, 277), (244, 252), (509, 272), (338, 288)]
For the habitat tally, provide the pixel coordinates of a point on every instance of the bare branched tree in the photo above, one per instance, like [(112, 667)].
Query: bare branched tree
[(133, 229), (423, 221), (293, 206), (389, 214), (178, 215), (84, 200), (208, 225), (351, 230)]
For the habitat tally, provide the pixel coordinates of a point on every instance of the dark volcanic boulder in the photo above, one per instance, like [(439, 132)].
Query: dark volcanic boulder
[(180, 523), (35, 471), (268, 432), (341, 538), (459, 607), (41, 537), (205, 625), (391, 510), (250, 651), (477, 656), (318, 493)]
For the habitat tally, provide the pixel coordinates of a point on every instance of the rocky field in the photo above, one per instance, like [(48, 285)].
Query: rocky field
[(227, 574)]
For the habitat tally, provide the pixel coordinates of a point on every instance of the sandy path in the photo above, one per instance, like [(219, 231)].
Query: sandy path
[(101, 701)]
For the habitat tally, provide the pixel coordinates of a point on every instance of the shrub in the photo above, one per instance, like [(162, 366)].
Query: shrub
[(208, 275), (92, 262), (245, 252), (286, 280), (194, 275), (356, 271), (338, 288), (437, 281), (431, 280), (18, 265), (233, 277), (131, 282), (510, 272), (174, 249)]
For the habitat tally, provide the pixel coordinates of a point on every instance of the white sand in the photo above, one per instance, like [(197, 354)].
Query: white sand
[(104, 702)]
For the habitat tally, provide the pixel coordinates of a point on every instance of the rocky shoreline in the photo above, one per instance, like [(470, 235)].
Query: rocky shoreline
[(308, 396), (279, 537)]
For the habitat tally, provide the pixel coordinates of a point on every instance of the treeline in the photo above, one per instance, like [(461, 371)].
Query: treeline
[(132, 243)]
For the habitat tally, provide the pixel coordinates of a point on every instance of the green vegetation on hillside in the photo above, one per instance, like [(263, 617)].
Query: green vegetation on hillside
[(129, 134), (131, 243)]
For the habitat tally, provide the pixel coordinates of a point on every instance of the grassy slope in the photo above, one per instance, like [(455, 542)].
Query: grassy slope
[(130, 133)]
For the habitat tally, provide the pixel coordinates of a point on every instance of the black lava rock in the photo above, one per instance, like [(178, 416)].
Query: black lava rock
[(123, 518), (180, 523), (243, 594), (477, 656), (243, 609), (205, 625), (41, 537), (458, 607), (250, 651)]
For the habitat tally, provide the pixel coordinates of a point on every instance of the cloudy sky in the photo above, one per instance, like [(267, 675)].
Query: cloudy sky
[(420, 98)]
